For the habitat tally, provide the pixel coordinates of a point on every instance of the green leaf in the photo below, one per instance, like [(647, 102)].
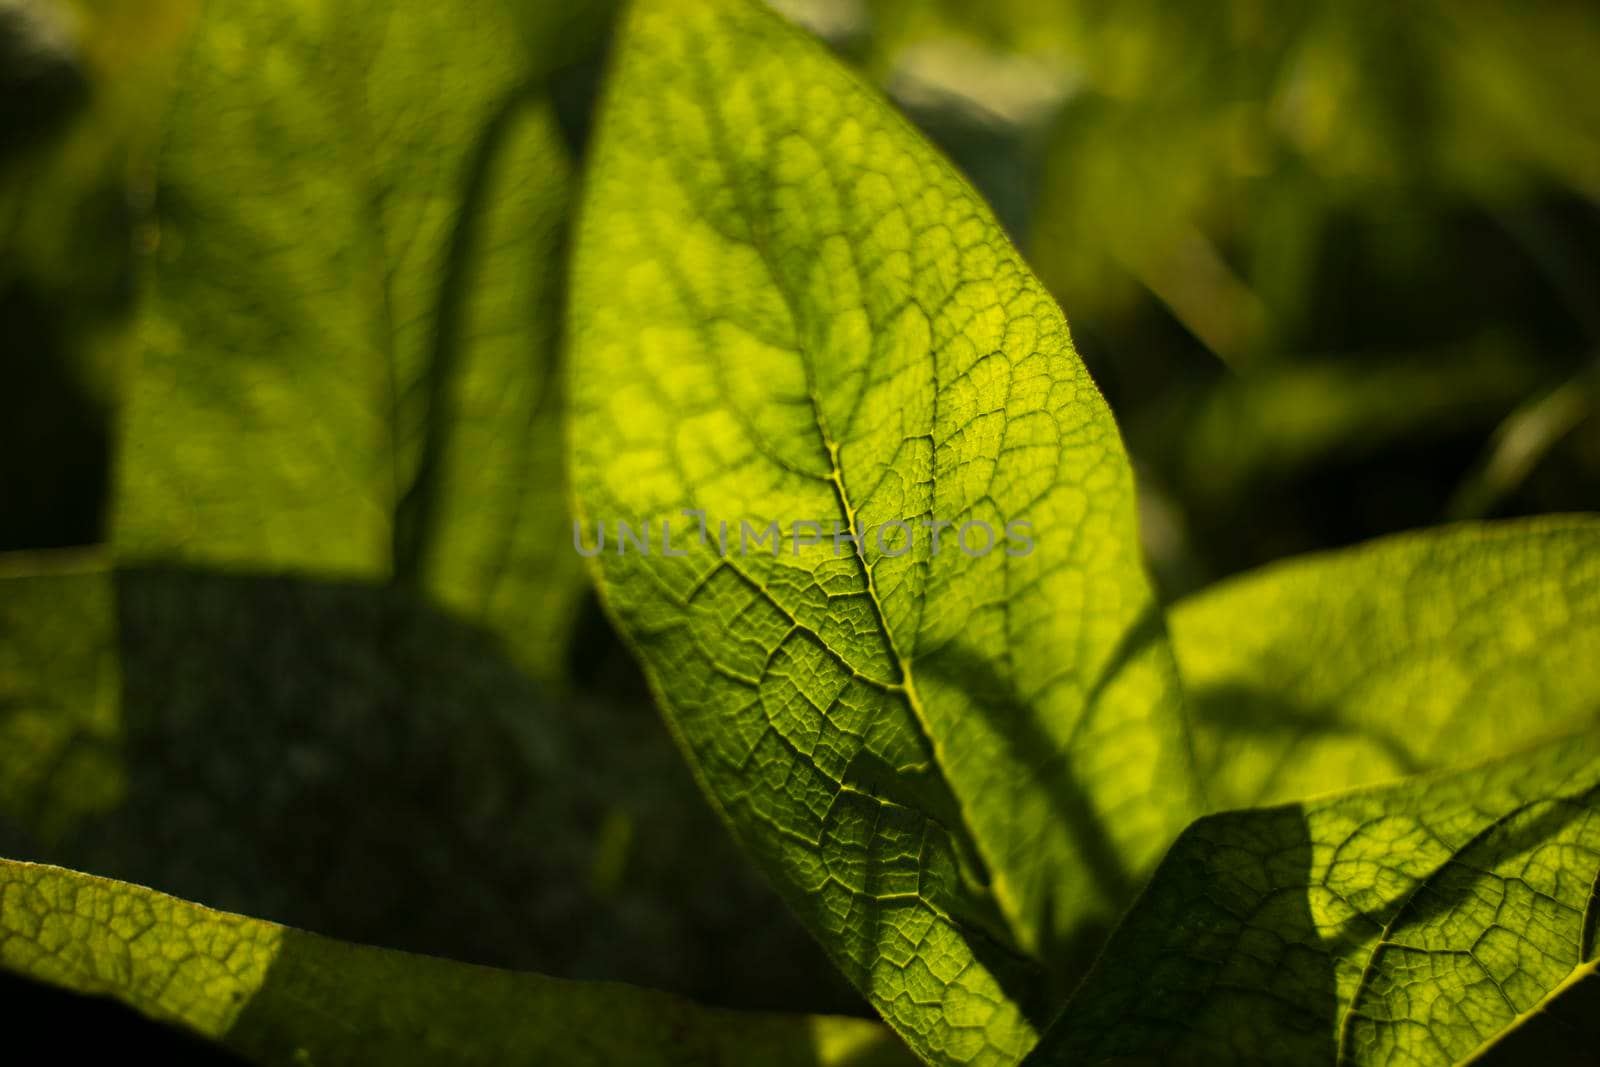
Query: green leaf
[(1417, 924), (282, 996), (786, 308), (346, 368), (1414, 652)]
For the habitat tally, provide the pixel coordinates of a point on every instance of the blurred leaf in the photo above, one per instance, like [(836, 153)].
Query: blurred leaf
[(76, 125), (1521, 84), (60, 722), (87, 79), (280, 996), (1415, 652), (1523, 440), (1419, 924), (787, 308), (346, 365), (1210, 155)]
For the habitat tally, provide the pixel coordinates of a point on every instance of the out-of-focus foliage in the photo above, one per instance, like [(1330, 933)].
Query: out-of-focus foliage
[(355, 733), (79, 99), (366, 234), (60, 694), (1276, 228)]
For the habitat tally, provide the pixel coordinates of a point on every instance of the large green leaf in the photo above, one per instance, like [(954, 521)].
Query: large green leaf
[(786, 308), (346, 367), (1417, 924), (1418, 651), (281, 996)]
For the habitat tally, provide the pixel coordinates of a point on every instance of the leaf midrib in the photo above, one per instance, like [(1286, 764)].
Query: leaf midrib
[(907, 684)]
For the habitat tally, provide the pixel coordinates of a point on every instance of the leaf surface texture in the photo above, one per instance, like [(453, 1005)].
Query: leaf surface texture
[(786, 308)]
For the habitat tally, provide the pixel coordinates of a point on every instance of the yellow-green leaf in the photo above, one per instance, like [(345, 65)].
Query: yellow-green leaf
[(346, 367), (1421, 924), (787, 308), (277, 995), (1419, 651)]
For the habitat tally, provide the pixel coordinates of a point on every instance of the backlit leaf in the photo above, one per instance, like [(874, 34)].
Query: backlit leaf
[(787, 309), (346, 368), (1419, 651), (1418, 924)]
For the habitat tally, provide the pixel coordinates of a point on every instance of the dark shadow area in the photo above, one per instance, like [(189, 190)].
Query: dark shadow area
[(56, 449), (1218, 962), (42, 85), (1030, 743), (1564, 1033), (344, 759), (597, 660), (44, 1024), (575, 88)]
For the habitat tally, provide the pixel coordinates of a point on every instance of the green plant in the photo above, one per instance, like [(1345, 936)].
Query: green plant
[(795, 349)]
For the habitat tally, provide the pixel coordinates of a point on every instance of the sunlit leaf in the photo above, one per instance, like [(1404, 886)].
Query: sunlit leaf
[(347, 364), (1417, 924), (277, 995), (787, 309), (1419, 651)]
